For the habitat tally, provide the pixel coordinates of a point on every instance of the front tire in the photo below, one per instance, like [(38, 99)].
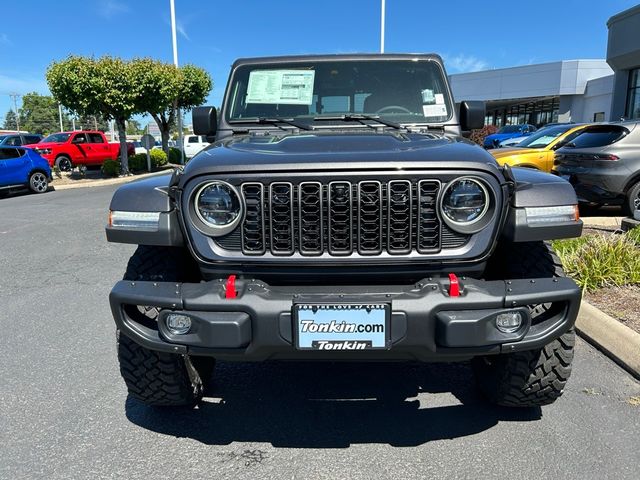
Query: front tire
[(64, 163), (38, 182), (535, 377), (159, 378)]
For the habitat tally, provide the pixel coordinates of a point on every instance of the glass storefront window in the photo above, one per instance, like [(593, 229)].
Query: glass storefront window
[(633, 95)]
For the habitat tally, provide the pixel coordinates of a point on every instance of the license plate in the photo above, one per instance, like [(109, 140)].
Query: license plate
[(342, 326)]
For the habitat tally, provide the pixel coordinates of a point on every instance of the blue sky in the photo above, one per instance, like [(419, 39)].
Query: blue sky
[(470, 35)]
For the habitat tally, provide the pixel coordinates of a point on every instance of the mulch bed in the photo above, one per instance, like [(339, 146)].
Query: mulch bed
[(621, 303)]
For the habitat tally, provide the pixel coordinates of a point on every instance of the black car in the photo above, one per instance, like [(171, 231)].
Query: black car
[(17, 139), (339, 215)]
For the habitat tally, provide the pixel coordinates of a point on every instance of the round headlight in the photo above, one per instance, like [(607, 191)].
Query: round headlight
[(218, 205), (465, 201)]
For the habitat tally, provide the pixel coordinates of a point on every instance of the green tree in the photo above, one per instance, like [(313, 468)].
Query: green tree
[(134, 128), (105, 86), (167, 88), (39, 114), (10, 121), (92, 122)]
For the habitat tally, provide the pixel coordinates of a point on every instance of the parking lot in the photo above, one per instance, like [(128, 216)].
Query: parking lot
[(64, 412)]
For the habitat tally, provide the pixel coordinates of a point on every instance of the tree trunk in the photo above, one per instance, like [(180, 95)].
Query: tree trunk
[(122, 134), (164, 124)]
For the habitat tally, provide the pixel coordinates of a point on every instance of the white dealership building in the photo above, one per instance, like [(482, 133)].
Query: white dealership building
[(564, 91)]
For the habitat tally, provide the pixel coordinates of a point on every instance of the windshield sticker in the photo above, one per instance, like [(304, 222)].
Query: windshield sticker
[(434, 110), (427, 96), (289, 87), (439, 99)]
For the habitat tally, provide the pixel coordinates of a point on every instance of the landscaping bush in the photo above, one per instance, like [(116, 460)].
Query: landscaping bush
[(110, 168), (138, 162), (596, 261), (158, 158), (175, 156), (477, 136)]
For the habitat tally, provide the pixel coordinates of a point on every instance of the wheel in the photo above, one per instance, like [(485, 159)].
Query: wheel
[(632, 201), (64, 163), (38, 182), (534, 377), (158, 378)]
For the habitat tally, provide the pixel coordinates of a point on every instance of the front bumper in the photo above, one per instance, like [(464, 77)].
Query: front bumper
[(426, 323)]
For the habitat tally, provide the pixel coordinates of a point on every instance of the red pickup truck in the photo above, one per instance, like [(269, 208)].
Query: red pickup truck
[(66, 150)]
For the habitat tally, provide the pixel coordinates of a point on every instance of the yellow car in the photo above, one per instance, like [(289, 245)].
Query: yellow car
[(537, 150)]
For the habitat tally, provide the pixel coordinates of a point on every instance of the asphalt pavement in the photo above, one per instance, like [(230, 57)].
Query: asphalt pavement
[(64, 411)]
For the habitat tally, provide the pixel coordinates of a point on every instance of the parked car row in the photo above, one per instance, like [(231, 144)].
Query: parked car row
[(600, 160), (508, 133)]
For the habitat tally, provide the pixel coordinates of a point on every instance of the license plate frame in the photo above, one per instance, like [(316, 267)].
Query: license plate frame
[(348, 313)]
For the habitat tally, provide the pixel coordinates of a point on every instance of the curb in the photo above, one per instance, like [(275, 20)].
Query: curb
[(109, 181), (616, 340)]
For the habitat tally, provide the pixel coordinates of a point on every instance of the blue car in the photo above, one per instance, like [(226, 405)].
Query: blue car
[(22, 167), (507, 132)]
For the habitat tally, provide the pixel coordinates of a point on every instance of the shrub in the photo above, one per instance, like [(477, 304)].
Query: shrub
[(110, 168), (158, 158), (175, 155), (138, 162), (595, 261), (477, 136)]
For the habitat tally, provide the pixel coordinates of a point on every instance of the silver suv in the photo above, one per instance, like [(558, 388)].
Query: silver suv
[(603, 165)]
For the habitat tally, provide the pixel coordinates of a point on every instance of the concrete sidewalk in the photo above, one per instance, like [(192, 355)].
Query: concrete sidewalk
[(616, 340), (86, 183)]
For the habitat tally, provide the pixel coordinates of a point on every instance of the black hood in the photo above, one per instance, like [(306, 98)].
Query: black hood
[(339, 150)]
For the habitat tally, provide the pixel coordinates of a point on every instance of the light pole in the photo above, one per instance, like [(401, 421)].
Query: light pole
[(60, 115), (15, 96), (382, 11), (175, 62)]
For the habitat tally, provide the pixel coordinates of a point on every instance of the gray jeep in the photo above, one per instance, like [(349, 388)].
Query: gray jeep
[(339, 215)]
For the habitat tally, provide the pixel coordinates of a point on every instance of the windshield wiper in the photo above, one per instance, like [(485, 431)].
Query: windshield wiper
[(273, 121), (359, 117)]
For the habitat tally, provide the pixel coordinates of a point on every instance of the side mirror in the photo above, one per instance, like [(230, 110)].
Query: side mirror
[(472, 115), (205, 121)]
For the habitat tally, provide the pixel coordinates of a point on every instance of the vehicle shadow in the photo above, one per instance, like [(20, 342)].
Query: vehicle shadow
[(332, 405), (21, 192)]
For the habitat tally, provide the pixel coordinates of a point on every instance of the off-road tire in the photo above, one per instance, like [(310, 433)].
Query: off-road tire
[(535, 377), (159, 378)]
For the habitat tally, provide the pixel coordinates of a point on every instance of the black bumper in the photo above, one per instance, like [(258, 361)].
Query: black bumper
[(426, 323)]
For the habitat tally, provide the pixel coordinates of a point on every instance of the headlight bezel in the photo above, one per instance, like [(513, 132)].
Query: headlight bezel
[(207, 227), (477, 224)]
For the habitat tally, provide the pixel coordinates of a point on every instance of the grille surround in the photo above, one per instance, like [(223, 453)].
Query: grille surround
[(455, 246)]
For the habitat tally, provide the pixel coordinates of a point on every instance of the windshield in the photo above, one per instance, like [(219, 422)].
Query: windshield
[(544, 137), (510, 129), (402, 91), (57, 138)]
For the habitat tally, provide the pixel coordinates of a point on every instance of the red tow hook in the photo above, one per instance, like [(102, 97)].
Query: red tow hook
[(454, 285), (230, 287)]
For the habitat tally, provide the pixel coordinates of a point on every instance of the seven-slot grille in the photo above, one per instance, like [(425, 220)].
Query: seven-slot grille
[(341, 218)]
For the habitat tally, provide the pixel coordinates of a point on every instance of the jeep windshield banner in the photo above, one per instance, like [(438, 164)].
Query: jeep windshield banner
[(342, 327), (293, 87)]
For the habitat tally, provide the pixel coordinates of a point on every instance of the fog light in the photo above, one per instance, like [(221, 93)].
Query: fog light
[(509, 322), (178, 324)]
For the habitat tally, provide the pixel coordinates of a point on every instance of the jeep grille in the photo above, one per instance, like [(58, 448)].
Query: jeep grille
[(340, 218)]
